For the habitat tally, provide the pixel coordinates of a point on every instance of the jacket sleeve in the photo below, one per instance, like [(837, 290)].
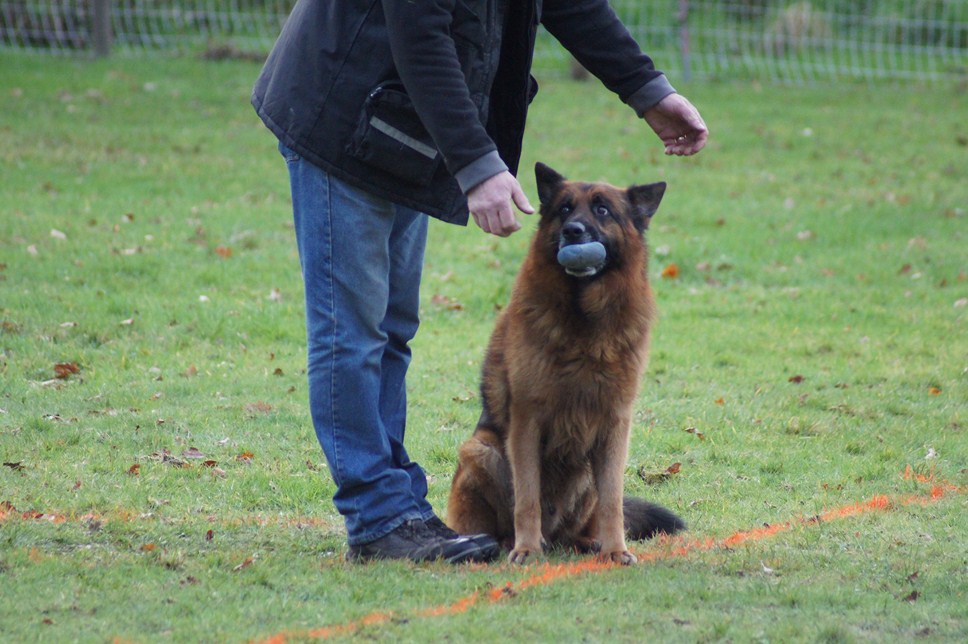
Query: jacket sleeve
[(425, 57), (595, 36)]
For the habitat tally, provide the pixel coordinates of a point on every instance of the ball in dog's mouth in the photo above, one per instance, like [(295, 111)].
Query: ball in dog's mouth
[(582, 260)]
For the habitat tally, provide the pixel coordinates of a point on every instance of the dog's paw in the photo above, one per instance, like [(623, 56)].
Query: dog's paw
[(521, 554), (623, 557)]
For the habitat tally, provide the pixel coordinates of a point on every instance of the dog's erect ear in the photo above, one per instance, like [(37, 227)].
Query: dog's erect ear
[(548, 181), (645, 201)]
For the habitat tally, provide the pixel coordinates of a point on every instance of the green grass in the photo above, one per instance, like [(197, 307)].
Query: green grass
[(815, 337)]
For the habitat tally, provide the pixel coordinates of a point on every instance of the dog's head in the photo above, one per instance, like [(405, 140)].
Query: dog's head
[(591, 227)]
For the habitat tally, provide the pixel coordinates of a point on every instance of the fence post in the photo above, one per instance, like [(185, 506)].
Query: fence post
[(101, 27), (684, 39)]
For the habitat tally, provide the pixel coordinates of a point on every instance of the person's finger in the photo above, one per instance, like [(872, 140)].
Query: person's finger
[(481, 222), (506, 222), (521, 200), (687, 144)]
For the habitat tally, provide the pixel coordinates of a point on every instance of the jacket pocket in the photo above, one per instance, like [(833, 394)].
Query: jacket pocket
[(391, 137)]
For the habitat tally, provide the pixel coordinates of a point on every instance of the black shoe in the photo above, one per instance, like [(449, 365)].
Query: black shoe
[(413, 540), (488, 545)]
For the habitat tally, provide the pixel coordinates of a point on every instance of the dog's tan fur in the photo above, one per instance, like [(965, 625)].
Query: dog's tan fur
[(561, 374)]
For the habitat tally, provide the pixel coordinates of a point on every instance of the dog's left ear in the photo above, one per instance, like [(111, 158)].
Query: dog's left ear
[(547, 180), (645, 201)]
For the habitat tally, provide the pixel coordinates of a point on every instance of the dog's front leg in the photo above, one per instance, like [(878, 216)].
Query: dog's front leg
[(524, 454), (609, 472)]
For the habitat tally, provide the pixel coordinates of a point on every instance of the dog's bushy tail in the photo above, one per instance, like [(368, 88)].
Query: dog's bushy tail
[(643, 520)]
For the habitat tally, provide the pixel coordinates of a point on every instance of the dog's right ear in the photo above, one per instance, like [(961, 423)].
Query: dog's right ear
[(645, 202), (548, 182)]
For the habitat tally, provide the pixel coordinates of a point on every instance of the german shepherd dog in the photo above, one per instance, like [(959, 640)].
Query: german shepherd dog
[(545, 465)]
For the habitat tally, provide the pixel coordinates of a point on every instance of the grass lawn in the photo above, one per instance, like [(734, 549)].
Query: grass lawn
[(161, 480)]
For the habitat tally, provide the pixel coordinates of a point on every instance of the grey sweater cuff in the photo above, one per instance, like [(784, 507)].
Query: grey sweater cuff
[(649, 95), (480, 170)]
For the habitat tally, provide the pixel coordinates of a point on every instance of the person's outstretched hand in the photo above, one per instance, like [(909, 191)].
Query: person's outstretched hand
[(490, 203), (678, 124)]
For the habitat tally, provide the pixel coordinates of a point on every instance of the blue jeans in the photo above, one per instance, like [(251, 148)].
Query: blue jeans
[(361, 259)]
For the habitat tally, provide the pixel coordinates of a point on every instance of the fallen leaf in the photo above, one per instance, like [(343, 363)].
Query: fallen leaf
[(245, 457), (192, 453), (168, 459), (148, 547), (934, 391), (135, 469), (209, 463), (209, 535), (671, 271), (16, 467), (720, 401), (795, 379), (655, 478), (258, 407), (223, 251), (64, 370), (245, 564), (57, 234), (698, 434), (912, 597), (446, 302)]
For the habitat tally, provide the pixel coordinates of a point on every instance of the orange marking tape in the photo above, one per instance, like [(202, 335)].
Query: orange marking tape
[(548, 573)]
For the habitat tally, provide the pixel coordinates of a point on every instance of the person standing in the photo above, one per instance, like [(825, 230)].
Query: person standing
[(388, 112)]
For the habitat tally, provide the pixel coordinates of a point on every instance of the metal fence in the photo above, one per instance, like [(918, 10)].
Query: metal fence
[(780, 40)]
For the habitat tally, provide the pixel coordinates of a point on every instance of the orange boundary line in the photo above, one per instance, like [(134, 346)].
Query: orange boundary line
[(8, 511), (548, 573)]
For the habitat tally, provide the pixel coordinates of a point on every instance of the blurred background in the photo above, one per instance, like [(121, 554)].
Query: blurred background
[(778, 40)]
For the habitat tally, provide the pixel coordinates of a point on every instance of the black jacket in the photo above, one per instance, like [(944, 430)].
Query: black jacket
[(418, 101)]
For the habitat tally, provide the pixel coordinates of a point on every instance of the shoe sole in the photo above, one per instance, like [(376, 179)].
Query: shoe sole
[(457, 551)]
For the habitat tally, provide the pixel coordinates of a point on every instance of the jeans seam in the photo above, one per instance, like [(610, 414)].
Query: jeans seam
[(334, 345)]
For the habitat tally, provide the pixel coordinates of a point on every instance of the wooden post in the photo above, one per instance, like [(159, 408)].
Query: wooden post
[(684, 52), (101, 27)]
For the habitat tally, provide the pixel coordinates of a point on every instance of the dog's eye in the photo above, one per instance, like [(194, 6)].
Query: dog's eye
[(601, 211), (565, 209)]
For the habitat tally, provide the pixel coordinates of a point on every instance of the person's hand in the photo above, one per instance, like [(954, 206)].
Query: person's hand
[(678, 124), (490, 204)]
